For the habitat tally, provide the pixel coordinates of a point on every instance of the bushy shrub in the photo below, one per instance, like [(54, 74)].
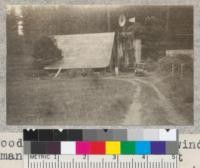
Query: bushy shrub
[(45, 52)]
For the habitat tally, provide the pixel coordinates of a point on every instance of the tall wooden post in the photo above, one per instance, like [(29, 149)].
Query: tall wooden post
[(117, 57), (167, 25), (137, 45), (173, 69), (182, 66)]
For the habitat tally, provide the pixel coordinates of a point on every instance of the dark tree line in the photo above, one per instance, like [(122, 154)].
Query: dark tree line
[(158, 27), (43, 21)]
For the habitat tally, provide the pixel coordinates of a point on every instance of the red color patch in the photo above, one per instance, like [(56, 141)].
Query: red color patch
[(97, 148)]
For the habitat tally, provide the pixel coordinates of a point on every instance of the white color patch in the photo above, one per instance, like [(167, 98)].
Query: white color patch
[(151, 134), (165, 135), (68, 148)]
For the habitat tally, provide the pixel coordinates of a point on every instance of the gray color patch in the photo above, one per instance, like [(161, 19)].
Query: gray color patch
[(27, 147), (105, 135), (135, 134), (120, 135), (90, 135), (171, 147)]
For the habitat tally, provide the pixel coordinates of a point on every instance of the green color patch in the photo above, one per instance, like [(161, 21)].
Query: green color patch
[(127, 147)]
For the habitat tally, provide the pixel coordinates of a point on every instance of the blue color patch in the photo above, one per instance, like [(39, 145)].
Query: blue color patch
[(142, 147)]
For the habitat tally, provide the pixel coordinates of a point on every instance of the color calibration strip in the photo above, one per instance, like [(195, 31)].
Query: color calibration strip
[(102, 147), (103, 142)]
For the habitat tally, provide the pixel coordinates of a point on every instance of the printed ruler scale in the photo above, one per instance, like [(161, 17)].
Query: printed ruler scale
[(100, 161)]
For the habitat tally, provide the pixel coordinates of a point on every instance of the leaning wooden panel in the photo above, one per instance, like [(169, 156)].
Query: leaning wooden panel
[(78, 52)]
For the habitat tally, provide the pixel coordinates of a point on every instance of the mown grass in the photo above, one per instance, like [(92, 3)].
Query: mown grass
[(78, 101), (180, 92)]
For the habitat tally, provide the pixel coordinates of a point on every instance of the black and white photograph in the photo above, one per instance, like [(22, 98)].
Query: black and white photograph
[(99, 65)]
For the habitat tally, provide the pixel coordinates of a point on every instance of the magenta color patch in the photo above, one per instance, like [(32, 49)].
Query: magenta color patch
[(82, 148)]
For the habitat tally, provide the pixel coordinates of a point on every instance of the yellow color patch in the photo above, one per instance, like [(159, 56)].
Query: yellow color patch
[(112, 147)]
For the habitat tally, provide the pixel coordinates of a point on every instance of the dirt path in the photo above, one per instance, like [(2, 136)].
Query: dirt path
[(150, 106), (169, 111), (134, 115)]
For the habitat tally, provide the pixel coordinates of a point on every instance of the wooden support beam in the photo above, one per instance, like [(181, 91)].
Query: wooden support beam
[(57, 73), (116, 71)]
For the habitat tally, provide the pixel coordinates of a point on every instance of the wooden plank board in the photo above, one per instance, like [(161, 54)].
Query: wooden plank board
[(84, 50)]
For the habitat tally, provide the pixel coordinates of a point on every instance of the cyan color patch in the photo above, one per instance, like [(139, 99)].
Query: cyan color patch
[(142, 147)]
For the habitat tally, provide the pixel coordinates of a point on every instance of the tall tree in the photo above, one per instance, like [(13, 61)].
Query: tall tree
[(153, 38), (13, 39)]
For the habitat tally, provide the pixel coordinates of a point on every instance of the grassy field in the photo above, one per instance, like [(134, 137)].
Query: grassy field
[(151, 107), (91, 100), (66, 101), (180, 92)]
